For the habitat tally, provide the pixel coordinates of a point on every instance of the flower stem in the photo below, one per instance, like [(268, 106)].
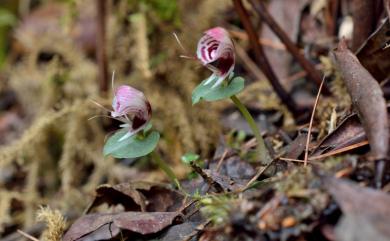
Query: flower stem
[(164, 167), (261, 148)]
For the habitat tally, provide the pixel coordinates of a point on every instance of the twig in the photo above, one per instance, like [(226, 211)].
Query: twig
[(297, 160), (249, 65), (255, 177), (101, 46), (290, 159), (248, 145), (206, 177), (344, 172), (26, 235), (328, 154), (300, 74), (311, 121), (261, 59), (263, 41), (263, 13), (221, 160), (338, 151)]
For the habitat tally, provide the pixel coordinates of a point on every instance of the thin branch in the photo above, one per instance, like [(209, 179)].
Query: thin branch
[(263, 13), (263, 41), (311, 121), (26, 235), (225, 152), (300, 74), (248, 63), (206, 177), (338, 151), (290, 159), (257, 175), (261, 59), (101, 46), (254, 69), (328, 154)]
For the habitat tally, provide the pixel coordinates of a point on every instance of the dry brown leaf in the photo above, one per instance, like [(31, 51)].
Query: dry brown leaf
[(367, 98), (366, 211), (109, 225)]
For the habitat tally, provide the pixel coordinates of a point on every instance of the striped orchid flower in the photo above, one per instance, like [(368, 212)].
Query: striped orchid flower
[(132, 108), (216, 51)]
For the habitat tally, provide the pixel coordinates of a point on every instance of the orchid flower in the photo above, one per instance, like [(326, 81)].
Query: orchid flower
[(131, 107), (216, 51)]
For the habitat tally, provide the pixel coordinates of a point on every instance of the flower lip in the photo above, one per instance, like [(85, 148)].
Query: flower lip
[(131, 107), (216, 51)]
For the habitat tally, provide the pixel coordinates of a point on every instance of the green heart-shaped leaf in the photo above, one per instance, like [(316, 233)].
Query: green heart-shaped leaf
[(207, 93), (131, 147)]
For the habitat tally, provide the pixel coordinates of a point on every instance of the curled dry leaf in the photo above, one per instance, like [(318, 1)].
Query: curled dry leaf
[(88, 224), (350, 131), (367, 98), (375, 52), (144, 223), (101, 226), (366, 212), (139, 196)]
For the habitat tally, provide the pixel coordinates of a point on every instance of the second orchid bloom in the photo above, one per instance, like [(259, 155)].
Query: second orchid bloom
[(132, 108), (216, 51)]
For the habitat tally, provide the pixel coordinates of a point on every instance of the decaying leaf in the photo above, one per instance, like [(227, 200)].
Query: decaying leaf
[(87, 224), (374, 55), (226, 182), (296, 147), (350, 131), (235, 168), (183, 232), (366, 211), (139, 196), (109, 225), (144, 223), (363, 13), (367, 98)]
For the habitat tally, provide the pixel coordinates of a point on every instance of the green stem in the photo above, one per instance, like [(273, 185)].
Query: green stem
[(261, 148), (163, 166)]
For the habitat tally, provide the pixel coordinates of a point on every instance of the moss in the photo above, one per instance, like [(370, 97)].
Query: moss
[(331, 110), (55, 224)]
